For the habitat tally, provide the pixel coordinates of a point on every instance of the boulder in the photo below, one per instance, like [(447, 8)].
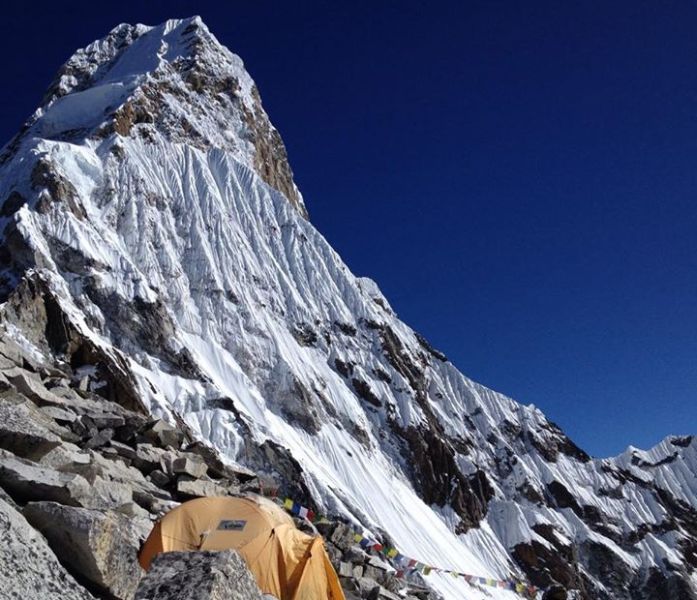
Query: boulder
[(66, 457), (24, 429), (114, 482), (101, 546), (165, 434), (366, 586), (381, 593), (4, 382), (159, 478), (376, 568), (104, 419), (198, 488), (11, 352), (154, 504), (26, 480), (101, 438), (342, 536), (123, 450), (198, 576), (355, 554), (149, 458), (29, 385), (110, 494), (132, 509), (218, 468), (345, 569), (58, 414), (87, 404), (189, 464), (28, 567)]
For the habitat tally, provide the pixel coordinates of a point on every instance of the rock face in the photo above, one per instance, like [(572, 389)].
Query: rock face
[(161, 287), (102, 546), (198, 576), (28, 567)]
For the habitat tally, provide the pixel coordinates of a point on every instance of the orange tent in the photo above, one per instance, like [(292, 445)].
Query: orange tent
[(286, 562)]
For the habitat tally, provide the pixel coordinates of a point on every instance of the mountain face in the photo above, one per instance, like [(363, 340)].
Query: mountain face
[(149, 204)]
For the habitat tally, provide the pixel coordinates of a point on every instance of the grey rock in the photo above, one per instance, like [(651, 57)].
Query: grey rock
[(378, 563), (111, 453), (342, 536), (26, 480), (30, 385), (382, 593), (101, 546), (131, 509), (56, 381), (149, 457), (219, 468), (5, 497), (104, 420), (355, 554), (198, 576), (123, 449), (66, 457), (10, 351), (115, 482), (159, 478), (366, 586), (154, 504), (197, 488), (110, 494), (59, 414), (345, 569), (83, 403), (372, 573), (24, 429), (84, 384), (392, 583), (190, 464), (4, 382), (101, 438), (28, 567), (165, 434)]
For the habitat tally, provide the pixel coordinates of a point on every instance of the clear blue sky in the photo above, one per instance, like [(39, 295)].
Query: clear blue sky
[(519, 177)]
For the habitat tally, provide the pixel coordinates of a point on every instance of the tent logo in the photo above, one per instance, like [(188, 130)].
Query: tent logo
[(231, 525)]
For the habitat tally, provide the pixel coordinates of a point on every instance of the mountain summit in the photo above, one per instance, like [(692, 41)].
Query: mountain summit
[(149, 210)]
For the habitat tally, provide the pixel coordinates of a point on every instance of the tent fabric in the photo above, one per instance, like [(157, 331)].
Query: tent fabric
[(286, 562)]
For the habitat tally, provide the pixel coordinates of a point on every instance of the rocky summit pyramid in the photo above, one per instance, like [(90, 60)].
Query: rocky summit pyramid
[(155, 245)]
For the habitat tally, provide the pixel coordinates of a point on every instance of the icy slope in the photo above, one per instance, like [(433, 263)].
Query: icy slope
[(154, 196)]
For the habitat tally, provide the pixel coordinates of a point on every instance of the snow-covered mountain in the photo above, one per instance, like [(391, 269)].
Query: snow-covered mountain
[(151, 202)]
